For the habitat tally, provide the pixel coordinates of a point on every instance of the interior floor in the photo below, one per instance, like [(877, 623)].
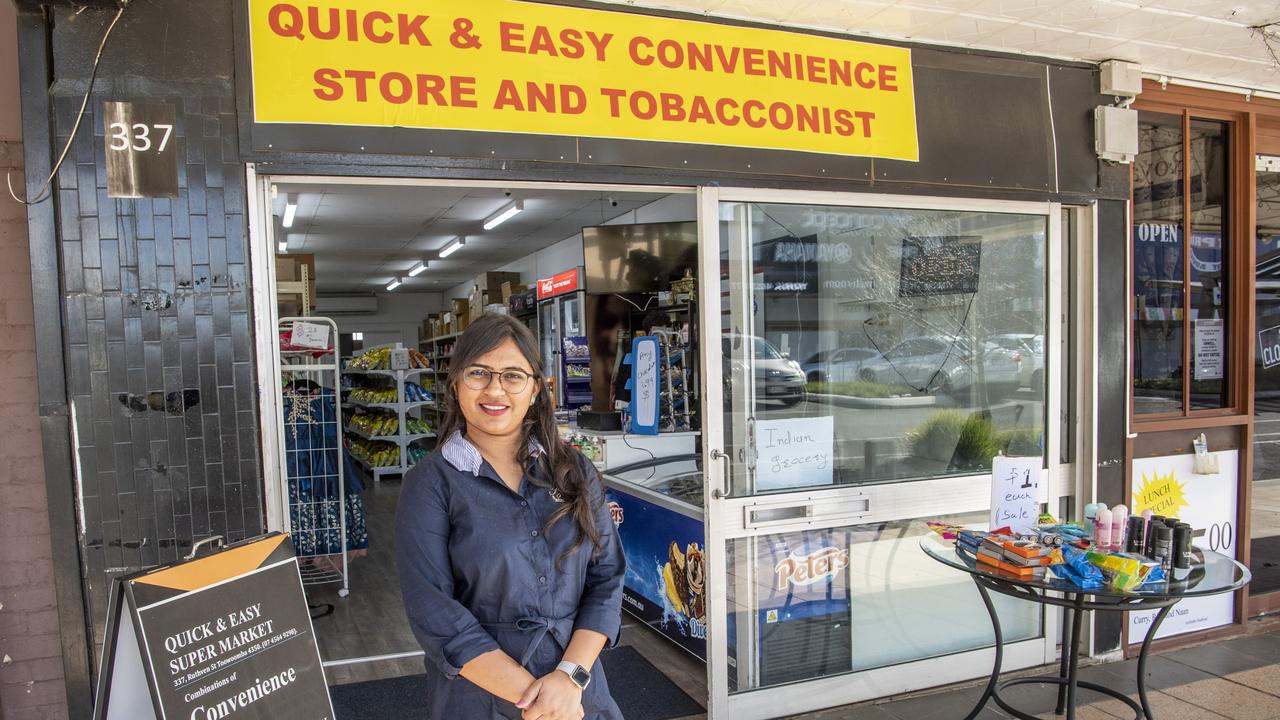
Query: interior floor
[(371, 622)]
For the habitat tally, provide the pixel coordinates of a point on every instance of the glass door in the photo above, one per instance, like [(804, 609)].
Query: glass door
[(867, 357), (549, 336), (1264, 519)]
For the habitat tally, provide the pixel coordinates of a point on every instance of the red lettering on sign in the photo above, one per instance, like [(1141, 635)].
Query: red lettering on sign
[(559, 284)]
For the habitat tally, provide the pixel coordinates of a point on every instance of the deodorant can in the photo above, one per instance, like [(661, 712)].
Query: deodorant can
[(1181, 551), (1149, 548), (1136, 537), (1163, 552)]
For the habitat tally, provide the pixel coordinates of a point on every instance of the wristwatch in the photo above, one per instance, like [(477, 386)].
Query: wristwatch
[(578, 674)]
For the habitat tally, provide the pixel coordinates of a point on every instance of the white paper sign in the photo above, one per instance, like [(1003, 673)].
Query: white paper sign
[(310, 335), (398, 359), (646, 383), (1168, 487), (1015, 492), (796, 452), (1209, 338)]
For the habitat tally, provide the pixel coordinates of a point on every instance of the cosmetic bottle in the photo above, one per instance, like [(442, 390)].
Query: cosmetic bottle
[(1163, 552), (1149, 548), (1119, 517), (1181, 551), (1136, 535), (1102, 532), (1090, 515)]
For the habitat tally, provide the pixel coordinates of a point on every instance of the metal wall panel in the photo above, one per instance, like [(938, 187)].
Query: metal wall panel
[(157, 330)]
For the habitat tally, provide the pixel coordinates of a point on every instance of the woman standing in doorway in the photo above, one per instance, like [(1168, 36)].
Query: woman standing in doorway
[(510, 566)]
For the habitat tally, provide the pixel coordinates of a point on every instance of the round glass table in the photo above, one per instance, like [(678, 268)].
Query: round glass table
[(1211, 574)]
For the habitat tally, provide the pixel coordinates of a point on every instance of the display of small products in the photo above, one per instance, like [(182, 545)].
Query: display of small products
[(413, 392), (380, 359), (379, 454), (388, 424)]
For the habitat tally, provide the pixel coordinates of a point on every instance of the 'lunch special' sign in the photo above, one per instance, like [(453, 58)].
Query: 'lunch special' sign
[(227, 635)]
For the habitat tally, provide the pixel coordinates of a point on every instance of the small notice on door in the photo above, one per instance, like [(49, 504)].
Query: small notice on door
[(1209, 336), (795, 453), (1015, 492)]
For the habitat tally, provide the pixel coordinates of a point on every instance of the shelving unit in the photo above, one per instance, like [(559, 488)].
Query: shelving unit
[(401, 409), (438, 350), (312, 469)]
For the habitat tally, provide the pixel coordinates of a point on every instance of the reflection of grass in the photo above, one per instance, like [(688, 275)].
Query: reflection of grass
[(969, 441), (859, 388)]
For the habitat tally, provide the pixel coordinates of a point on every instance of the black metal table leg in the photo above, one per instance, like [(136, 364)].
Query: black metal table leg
[(1142, 660), (995, 670), (1067, 643), (1077, 612)]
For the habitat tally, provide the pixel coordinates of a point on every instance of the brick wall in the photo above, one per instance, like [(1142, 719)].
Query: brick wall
[(31, 681)]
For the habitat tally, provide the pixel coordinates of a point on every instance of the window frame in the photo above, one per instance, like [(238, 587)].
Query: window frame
[(1240, 160)]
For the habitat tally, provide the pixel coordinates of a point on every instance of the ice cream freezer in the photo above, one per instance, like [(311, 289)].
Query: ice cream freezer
[(791, 589)]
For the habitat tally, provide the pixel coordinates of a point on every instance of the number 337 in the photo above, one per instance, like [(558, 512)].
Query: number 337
[(138, 136)]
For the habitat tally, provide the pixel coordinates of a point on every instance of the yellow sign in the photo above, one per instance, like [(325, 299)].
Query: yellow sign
[(1161, 494), (519, 67)]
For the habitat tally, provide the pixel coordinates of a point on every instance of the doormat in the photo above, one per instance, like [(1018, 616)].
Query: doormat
[(641, 690), (1264, 563)]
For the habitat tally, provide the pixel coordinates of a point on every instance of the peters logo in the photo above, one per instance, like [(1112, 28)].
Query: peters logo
[(615, 511), (808, 569)]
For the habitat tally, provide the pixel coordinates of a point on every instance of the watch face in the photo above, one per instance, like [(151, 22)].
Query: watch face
[(581, 677)]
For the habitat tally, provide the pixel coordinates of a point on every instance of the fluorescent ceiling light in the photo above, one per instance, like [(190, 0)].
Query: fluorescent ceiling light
[(282, 246), (290, 209), (506, 213), (394, 284), (357, 336), (418, 269), (453, 246)]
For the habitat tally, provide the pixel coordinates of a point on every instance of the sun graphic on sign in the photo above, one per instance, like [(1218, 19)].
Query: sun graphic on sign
[(1161, 494)]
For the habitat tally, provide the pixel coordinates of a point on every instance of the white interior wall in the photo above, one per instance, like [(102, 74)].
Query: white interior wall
[(398, 319), (567, 253)]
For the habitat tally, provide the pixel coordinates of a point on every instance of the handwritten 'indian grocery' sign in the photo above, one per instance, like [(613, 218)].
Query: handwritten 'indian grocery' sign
[(519, 67)]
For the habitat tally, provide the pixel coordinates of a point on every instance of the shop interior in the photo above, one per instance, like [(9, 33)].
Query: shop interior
[(391, 275), (855, 338)]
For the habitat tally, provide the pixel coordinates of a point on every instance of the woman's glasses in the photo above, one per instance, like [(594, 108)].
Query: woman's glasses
[(478, 377)]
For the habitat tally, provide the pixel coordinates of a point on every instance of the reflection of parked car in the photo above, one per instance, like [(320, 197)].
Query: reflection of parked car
[(940, 364), (841, 365), (1028, 351), (777, 376)]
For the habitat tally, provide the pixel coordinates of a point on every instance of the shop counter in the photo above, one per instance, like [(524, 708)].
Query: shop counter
[(614, 448)]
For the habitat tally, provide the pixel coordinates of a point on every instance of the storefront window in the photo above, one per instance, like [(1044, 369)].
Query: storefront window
[(903, 344), (1180, 358)]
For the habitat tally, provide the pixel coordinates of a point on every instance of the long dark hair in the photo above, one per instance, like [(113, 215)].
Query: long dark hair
[(567, 477)]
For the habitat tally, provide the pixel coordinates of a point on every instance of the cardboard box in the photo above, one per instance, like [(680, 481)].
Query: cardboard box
[(458, 305), (491, 282), (511, 288), (476, 303)]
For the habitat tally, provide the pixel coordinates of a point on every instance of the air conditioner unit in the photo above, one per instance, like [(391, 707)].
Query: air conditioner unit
[(358, 304)]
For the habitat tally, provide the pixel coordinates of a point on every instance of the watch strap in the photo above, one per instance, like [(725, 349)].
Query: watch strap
[(578, 674)]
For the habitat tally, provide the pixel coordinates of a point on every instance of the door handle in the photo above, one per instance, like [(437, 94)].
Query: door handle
[(721, 492)]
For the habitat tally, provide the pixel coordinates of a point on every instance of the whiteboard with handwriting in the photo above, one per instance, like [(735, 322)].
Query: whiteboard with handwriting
[(1015, 492), (795, 453)]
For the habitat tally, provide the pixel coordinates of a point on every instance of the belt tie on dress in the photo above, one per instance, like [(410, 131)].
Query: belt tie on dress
[(559, 628)]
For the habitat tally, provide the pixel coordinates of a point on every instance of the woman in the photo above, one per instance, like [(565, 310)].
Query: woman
[(510, 565)]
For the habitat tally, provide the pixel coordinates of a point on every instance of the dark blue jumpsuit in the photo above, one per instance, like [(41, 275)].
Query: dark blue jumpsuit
[(478, 573)]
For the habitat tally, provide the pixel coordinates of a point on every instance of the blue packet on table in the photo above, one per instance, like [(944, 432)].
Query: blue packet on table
[(1076, 568)]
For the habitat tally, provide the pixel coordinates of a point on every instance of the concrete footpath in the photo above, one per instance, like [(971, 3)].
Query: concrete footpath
[(1237, 679)]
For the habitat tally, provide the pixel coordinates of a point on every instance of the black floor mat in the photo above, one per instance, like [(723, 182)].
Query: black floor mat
[(641, 690), (1264, 563)]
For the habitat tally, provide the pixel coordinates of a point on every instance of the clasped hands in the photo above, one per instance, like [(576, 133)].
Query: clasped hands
[(552, 697)]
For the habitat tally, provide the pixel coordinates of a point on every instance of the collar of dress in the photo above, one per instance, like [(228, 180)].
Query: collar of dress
[(465, 457)]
